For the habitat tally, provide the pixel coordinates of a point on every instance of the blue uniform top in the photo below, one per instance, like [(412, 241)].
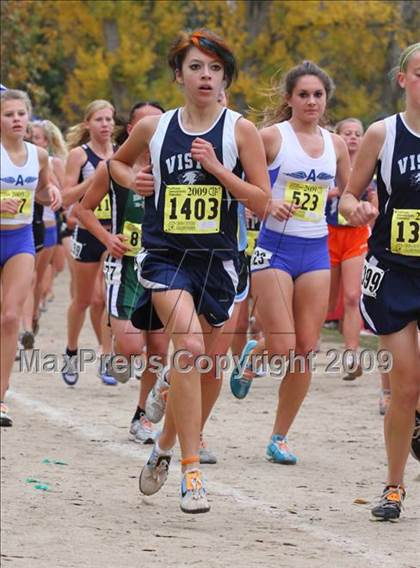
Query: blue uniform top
[(395, 238), (190, 210)]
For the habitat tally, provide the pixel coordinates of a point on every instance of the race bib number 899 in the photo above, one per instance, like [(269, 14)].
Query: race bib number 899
[(371, 279)]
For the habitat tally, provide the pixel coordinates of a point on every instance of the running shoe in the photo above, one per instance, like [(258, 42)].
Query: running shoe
[(415, 440), (27, 340), (352, 375), (390, 504), (278, 451), (70, 371), (156, 399), (384, 401), (104, 372), (121, 373), (206, 456), (155, 472), (239, 384), (141, 431), (193, 493), (5, 420)]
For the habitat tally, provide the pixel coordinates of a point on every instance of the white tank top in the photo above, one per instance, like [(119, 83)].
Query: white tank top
[(296, 177), (21, 182)]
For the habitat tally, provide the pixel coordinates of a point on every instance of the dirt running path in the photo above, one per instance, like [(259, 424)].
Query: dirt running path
[(262, 514)]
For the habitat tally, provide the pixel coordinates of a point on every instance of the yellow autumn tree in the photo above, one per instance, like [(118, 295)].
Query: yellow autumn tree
[(69, 52)]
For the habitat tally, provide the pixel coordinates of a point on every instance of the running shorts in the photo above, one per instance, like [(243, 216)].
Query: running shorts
[(211, 282), (16, 241), (291, 254), (85, 247), (390, 298), (346, 242), (122, 286)]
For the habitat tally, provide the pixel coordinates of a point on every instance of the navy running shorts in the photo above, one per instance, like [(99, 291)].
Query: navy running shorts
[(390, 298), (211, 282)]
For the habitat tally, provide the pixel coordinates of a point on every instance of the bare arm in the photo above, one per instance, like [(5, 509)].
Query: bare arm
[(355, 211), (85, 212), (72, 190), (125, 157), (57, 171), (343, 162)]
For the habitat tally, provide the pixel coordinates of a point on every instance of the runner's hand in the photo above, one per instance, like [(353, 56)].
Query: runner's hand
[(203, 152), (362, 214), (144, 182), (55, 197), (116, 245), (9, 205), (281, 210)]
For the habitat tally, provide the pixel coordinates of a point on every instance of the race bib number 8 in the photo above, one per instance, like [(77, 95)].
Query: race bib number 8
[(309, 196), (192, 209), (405, 232), (133, 233), (371, 279), (103, 211), (25, 203)]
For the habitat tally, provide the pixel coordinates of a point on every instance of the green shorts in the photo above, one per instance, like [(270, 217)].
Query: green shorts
[(122, 287)]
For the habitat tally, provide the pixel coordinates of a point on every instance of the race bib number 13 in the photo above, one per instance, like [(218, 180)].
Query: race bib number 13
[(192, 209), (309, 196), (405, 232)]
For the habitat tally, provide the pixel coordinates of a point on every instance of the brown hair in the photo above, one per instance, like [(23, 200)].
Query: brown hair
[(274, 113), (16, 95), (207, 42)]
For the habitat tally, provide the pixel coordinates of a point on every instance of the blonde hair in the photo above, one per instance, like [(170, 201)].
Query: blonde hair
[(403, 61), (16, 95), (79, 134), (55, 139), (341, 123), (274, 113)]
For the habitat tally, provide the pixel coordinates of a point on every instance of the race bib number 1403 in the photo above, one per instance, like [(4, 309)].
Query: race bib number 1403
[(192, 209)]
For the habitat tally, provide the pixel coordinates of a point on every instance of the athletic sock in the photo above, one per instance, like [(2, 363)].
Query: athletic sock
[(71, 352), (139, 412)]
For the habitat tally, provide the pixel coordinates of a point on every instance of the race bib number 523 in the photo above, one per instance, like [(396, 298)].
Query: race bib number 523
[(310, 197), (192, 209)]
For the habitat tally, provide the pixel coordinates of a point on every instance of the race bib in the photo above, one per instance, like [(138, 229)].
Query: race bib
[(76, 248), (371, 279), (133, 233), (192, 209), (405, 232), (342, 220), (112, 272), (103, 211), (25, 202), (309, 196), (260, 259), (251, 242)]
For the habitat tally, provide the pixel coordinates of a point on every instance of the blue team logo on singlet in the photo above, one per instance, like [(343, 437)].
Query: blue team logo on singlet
[(19, 180), (312, 176), (191, 177)]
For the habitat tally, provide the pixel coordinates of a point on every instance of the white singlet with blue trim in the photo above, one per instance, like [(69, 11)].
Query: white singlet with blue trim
[(20, 182), (297, 177)]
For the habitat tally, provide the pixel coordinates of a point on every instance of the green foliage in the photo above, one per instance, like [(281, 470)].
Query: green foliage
[(66, 53)]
